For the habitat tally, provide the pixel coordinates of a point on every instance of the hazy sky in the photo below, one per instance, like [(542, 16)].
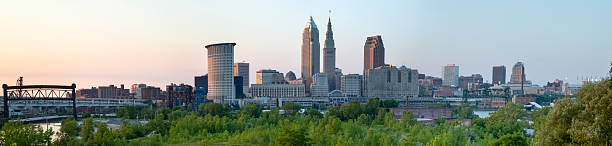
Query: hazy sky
[(160, 42)]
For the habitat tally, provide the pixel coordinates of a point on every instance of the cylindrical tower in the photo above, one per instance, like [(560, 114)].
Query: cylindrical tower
[(221, 72)]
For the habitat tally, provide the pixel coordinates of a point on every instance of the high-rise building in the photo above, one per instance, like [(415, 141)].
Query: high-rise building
[(450, 75), (499, 74), (242, 69), (239, 92), (351, 85), (337, 79), (269, 76), (310, 53), (329, 57), (201, 89), (391, 82), (221, 72), (466, 81), (373, 53), (518, 73), (320, 87)]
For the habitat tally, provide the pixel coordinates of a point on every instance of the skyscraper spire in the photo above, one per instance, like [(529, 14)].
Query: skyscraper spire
[(310, 53), (329, 57)]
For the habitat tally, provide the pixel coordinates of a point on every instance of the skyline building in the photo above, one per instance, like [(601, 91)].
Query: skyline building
[(374, 53), (310, 53), (329, 57), (320, 85), (290, 76), (242, 69), (465, 82), (221, 72), (391, 82), (499, 74), (351, 85), (518, 73), (270, 76), (450, 75)]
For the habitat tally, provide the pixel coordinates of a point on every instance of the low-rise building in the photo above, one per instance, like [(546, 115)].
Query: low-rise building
[(278, 90)]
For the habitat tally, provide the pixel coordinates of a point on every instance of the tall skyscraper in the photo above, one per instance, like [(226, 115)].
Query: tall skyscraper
[(450, 75), (242, 69), (329, 57), (518, 73), (373, 53), (310, 53), (499, 74), (221, 72)]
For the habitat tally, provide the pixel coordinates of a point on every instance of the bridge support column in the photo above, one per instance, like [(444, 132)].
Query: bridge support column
[(74, 107), (6, 108)]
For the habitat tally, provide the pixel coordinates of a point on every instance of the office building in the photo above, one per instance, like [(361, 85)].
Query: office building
[(112, 91), (221, 72), (518, 73), (269, 76), (450, 75), (239, 92), (320, 87), (351, 85), (278, 90), (310, 53), (337, 79), (242, 69), (181, 95), (499, 75), (87, 93), (373, 53), (391, 82), (466, 81), (329, 57)]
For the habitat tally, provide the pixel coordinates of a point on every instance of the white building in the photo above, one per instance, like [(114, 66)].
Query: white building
[(450, 75), (278, 90), (319, 87), (351, 85)]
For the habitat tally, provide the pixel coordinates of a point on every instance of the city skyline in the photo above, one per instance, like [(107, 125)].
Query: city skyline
[(132, 51)]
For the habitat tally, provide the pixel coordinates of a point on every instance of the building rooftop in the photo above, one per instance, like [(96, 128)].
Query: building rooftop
[(219, 44)]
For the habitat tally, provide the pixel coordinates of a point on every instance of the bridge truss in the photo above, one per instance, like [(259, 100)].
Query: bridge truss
[(38, 92)]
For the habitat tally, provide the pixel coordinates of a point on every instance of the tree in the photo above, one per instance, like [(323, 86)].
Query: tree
[(313, 113), (87, 130), (587, 120), (291, 134), (214, 109), (103, 135), (291, 108), (70, 127), (371, 108), (17, 133), (515, 139), (389, 103), (251, 110), (463, 111), (351, 110)]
